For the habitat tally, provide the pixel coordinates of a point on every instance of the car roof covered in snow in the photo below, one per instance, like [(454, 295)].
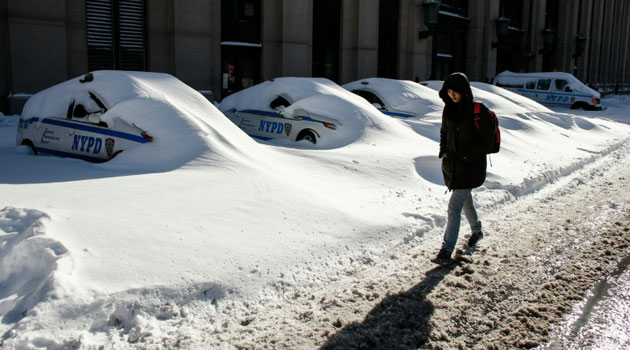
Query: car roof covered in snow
[(403, 95)]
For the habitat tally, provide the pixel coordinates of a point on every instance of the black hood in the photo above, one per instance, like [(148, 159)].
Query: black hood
[(457, 82)]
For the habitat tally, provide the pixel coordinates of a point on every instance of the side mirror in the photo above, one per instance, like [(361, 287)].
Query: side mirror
[(94, 118), (568, 89), (378, 106)]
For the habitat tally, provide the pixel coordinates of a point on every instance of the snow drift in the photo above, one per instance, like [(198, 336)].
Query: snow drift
[(183, 123)]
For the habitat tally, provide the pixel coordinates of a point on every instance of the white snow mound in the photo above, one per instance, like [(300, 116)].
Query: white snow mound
[(183, 123)]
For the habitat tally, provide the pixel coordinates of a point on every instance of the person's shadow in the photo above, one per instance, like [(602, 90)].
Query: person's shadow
[(400, 321)]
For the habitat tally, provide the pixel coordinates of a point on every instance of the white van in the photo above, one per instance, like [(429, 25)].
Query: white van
[(551, 89)]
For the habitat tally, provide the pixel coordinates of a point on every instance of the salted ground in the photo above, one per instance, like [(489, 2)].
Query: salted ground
[(230, 255), (541, 255)]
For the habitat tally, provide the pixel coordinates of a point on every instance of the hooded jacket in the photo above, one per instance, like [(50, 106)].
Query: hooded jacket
[(461, 148)]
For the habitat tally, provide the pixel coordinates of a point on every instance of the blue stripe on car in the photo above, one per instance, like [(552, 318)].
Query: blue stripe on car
[(395, 114), (269, 114), (96, 130), (278, 115), (553, 93)]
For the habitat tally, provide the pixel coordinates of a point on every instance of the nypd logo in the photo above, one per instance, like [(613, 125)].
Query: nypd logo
[(270, 127), (87, 144)]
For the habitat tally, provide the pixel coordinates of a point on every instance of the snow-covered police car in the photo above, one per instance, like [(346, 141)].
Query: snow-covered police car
[(276, 110), (81, 133), (556, 89), (397, 98)]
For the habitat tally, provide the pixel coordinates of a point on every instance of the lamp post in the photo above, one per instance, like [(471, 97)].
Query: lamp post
[(503, 26), (580, 44), (431, 12), (549, 36)]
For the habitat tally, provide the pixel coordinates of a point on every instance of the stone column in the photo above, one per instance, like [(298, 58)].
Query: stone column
[(567, 29), (197, 30), (594, 53), (584, 27), (297, 34), (606, 48), (367, 49), (349, 41), (271, 38), (5, 65), (414, 54), (482, 58), (76, 37), (536, 33), (37, 29), (160, 36)]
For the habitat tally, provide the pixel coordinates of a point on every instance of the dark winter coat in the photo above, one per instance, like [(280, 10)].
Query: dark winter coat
[(461, 148)]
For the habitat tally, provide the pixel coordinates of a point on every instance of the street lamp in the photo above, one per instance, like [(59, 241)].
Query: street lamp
[(503, 26), (549, 37), (431, 12)]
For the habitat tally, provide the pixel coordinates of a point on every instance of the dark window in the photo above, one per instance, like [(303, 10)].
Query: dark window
[(326, 36), (531, 84), (510, 47), (561, 84), (116, 34), (543, 84), (451, 45), (370, 97), (459, 7), (279, 101), (388, 38), (240, 21), (240, 45), (552, 14)]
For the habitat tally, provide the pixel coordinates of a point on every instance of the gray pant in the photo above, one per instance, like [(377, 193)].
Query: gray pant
[(460, 200)]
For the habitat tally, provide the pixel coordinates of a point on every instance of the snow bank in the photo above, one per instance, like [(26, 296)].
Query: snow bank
[(28, 259), (191, 256), (183, 123)]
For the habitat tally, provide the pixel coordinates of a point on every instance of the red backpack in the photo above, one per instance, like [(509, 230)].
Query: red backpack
[(494, 122)]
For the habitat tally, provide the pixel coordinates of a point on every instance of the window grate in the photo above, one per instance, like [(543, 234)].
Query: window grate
[(116, 34)]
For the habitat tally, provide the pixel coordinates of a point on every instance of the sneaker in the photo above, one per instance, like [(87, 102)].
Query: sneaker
[(474, 238), (443, 257)]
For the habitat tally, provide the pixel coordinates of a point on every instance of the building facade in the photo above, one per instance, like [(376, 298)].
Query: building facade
[(224, 46)]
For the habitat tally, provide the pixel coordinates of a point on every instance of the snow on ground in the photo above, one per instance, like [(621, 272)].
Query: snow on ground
[(194, 254)]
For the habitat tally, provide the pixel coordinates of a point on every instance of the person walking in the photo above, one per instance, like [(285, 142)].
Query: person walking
[(463, 153)]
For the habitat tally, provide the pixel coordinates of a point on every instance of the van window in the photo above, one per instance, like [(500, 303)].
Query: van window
[(561, 84), (531, 84), (543, 84), (509, 84)]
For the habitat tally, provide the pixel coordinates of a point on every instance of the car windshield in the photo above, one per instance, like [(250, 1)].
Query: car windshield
[(370, 97)]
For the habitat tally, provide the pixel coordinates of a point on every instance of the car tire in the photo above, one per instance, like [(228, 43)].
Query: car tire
[(306, 135), (115, 154), (31, 146), (580, 105)]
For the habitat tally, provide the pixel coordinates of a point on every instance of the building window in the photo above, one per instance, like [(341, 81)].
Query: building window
[(240, 45), (510, 53), (451, 36), (326, 38), (116, 34), (388, 38)]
